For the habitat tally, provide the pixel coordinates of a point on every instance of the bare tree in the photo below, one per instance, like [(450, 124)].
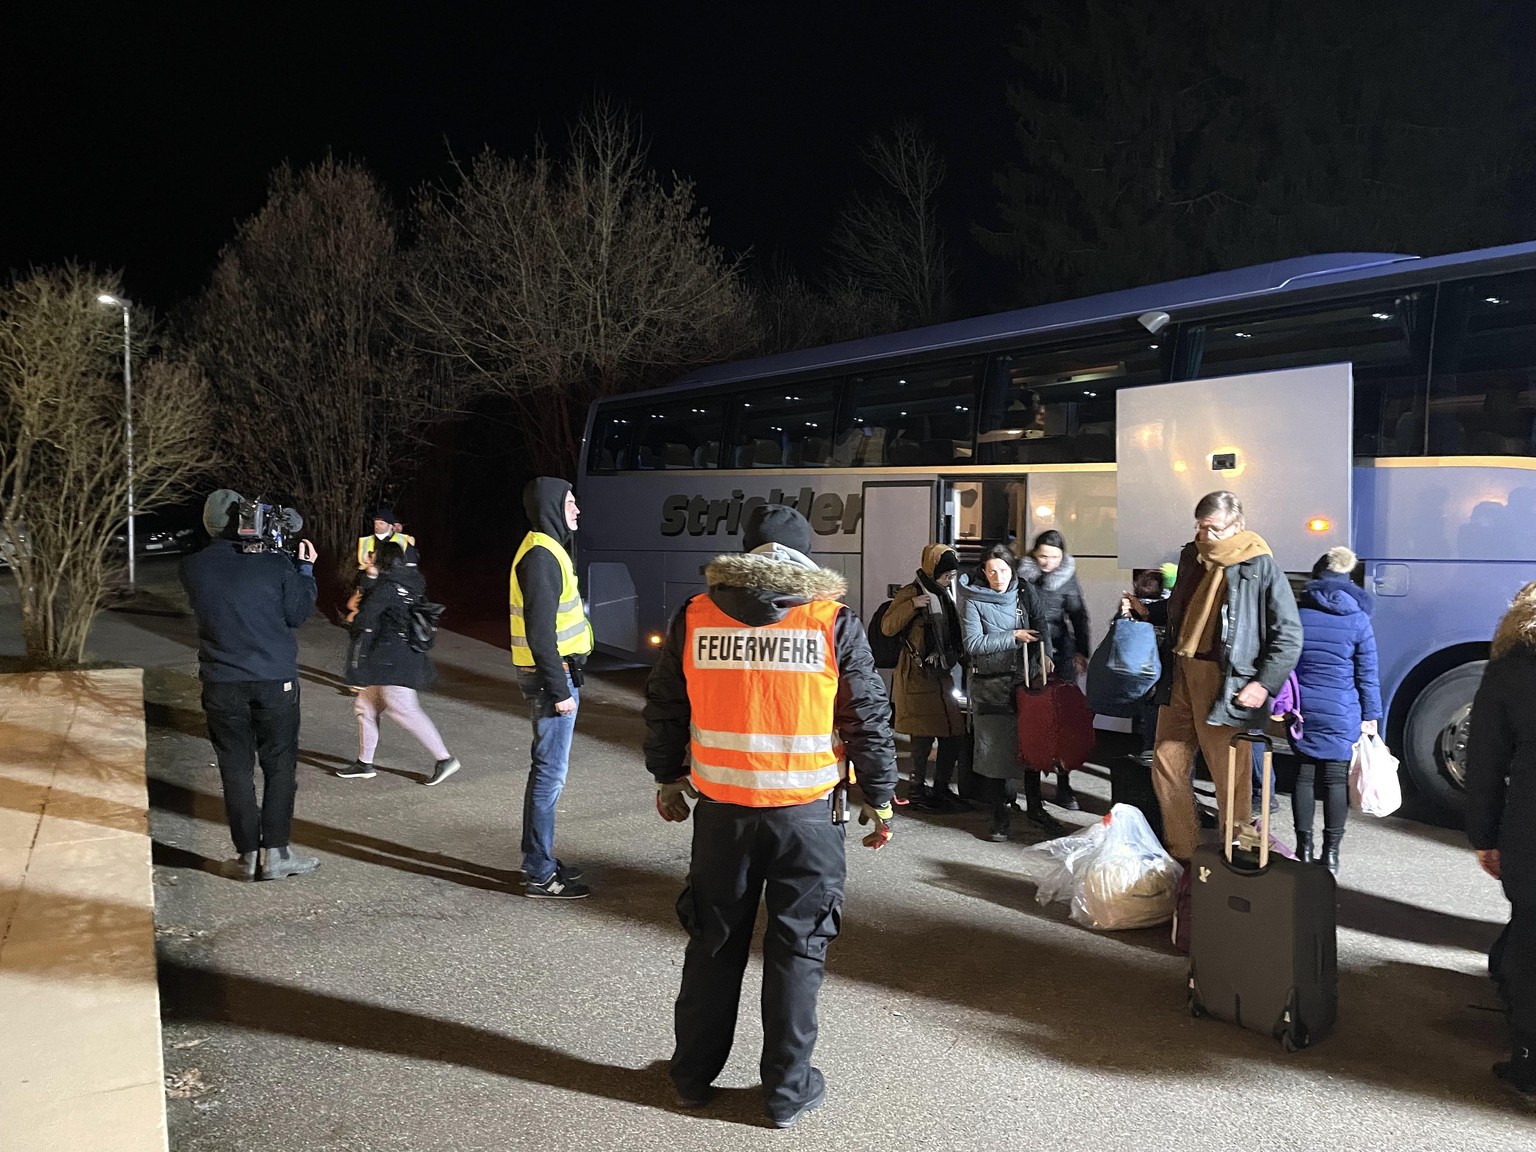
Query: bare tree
[(63, 473), (554, 281), (317, 394), (889, 243), (788, 313)]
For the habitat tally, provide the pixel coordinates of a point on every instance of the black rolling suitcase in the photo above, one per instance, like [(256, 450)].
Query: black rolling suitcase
[(1263, 949), (1130, 782)]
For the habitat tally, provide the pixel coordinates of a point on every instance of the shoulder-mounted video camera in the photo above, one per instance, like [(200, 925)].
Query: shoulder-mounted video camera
[(265, 526)]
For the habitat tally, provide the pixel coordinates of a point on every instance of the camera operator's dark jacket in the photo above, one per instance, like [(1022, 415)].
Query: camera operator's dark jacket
[(538, 575), (247, 605), (380, 653)]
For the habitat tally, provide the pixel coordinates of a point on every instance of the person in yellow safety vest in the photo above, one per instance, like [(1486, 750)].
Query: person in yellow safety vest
[(385, 528), (765, 686), (550, 643)]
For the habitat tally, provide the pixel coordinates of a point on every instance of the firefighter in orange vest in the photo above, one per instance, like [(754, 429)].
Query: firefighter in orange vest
[(765, 690)]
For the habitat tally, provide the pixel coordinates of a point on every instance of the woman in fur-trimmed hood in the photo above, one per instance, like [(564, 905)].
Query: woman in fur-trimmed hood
[(1501, 818), (924, 615)]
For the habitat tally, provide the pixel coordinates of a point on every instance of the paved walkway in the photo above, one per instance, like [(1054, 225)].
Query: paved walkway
[(80, 1045)]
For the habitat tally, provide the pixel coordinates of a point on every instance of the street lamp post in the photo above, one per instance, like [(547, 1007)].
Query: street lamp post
[(118, 302)]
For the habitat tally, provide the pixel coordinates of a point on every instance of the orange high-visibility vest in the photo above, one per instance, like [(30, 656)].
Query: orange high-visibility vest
[(762, 703)]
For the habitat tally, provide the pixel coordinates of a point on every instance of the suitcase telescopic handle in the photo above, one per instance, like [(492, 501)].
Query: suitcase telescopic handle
[(1228, 824)]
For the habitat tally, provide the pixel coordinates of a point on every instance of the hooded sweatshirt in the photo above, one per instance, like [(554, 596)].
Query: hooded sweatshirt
[(759, 588), (538, 575)]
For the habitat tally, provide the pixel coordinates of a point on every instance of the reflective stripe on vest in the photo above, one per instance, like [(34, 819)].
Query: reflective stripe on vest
[(366, 545), (573, 635), (762, 703)]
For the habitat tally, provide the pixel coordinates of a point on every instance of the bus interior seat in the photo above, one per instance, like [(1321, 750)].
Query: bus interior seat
[(1446, 435), (677, 456), (903, 453), (816, 451), (938, 451), (759, 454), (645, 457), (707, 455)]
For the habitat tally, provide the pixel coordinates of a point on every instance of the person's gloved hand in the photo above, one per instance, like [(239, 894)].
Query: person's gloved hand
[(881, 835), (672, 799)]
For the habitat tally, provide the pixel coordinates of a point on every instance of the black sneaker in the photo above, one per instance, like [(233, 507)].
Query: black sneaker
[(357, 770), (812, 1102), (567, 871), (442, 770), (557, 888)]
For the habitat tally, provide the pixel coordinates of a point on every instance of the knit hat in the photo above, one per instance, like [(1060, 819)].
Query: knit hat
[(218, 509), (948, 562), (776, 524), (1341, 559), (385, 513)]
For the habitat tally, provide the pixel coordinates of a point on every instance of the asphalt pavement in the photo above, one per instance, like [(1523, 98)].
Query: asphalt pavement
[(407, 995)]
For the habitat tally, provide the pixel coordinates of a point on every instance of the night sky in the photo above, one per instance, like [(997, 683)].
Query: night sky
[(136, 135)]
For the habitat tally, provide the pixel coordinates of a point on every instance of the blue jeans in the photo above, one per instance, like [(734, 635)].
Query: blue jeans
[(552, 734), (1257, 752)]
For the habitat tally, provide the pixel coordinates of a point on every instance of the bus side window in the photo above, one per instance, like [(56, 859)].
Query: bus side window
[(1386, 338), (680, 433), (926, 412), (784, 426), (612, 433), (1482, 398)]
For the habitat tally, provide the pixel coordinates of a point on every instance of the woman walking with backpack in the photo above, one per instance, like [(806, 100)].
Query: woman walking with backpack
[(1051, 572), (387, 670), (924, 616)]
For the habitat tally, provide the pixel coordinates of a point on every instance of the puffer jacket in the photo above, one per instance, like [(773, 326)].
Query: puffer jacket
[(1501, 749), (379, 652), (1260, 634), (1061, 602), (923, 683), (1336, 676), (987, 622), (758, 589)]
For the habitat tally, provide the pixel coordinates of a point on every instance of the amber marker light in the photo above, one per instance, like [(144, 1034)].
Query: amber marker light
[(654, 639), (1319, 524)]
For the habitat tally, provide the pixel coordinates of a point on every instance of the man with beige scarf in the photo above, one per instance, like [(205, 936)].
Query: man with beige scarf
[(1233, 637)]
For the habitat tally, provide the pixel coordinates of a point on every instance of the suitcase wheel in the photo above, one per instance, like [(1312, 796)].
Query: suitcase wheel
[(1197, 1009)]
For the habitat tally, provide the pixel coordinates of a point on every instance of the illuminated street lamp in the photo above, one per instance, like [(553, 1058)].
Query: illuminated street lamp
[(119, 302)]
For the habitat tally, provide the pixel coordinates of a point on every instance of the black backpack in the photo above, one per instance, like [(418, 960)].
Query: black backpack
[(423, 626), (886, 649)]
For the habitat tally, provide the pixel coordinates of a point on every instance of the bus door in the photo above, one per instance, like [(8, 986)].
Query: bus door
[(1283, 441), (898, 524)]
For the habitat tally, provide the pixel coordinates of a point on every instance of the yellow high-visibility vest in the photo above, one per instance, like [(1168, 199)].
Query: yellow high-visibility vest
[(573, 635), (366, 545)]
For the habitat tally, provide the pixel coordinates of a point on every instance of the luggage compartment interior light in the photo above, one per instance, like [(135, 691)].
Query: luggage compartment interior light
[(654, 639), (1319, 524)]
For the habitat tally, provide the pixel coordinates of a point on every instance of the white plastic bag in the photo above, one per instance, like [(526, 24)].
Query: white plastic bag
[(1115, 873), (1373, 785)]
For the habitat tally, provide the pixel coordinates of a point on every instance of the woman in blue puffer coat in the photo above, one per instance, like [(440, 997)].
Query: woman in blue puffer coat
[(1340, 698)]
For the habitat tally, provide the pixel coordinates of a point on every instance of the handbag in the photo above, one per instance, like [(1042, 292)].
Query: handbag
[(1124, 668), (1373, 784)]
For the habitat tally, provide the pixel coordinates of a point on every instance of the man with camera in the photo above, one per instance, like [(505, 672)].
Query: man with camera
[(249, 594), (551, 639)]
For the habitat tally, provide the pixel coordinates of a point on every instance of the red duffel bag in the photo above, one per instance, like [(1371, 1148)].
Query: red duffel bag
[(1055, 723)]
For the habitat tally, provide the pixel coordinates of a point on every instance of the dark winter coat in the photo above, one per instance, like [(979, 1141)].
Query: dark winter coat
[(1061, 602), (1336, 675), (988, 620), (1260, 634), (247, 605), (923, 683), (379, 652), (758, 589), (1501, 750)]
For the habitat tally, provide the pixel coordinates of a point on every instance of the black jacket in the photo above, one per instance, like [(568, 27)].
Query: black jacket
[(1260, 634), (247, 605), (1061, 605), (1501, 759), (538, 575), (380, 653), (758, 589)]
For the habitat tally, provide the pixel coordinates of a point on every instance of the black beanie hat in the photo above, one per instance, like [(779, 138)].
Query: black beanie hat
[(776, 524), (385, 513), (948, 562)]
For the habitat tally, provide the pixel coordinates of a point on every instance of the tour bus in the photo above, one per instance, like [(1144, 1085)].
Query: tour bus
[(996, 428)]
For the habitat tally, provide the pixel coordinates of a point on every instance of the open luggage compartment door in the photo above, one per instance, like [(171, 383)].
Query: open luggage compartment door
[(1283, 441)]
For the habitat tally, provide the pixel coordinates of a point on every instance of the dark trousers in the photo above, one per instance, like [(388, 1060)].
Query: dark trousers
[(944, 766), (1516, 962), (794, 858), (1335, 794), (251, 720)]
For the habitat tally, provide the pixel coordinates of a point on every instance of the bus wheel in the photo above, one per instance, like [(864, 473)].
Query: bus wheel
[(1435, 735)]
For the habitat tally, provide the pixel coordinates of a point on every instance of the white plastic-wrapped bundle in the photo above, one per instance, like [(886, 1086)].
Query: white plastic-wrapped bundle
[(1115, 873)]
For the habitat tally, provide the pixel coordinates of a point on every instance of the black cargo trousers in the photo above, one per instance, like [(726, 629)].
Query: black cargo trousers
[(795, 858), (251, 721), (1513, 963)]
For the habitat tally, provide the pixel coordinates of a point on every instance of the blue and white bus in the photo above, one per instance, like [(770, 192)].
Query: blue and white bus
[(1001, 426)]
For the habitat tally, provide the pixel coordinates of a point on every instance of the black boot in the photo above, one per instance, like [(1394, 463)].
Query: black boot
[(1331, 839), (1519, 1071), (1001, 815), (1066, 798), (1034, 806), (1304, 850)]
